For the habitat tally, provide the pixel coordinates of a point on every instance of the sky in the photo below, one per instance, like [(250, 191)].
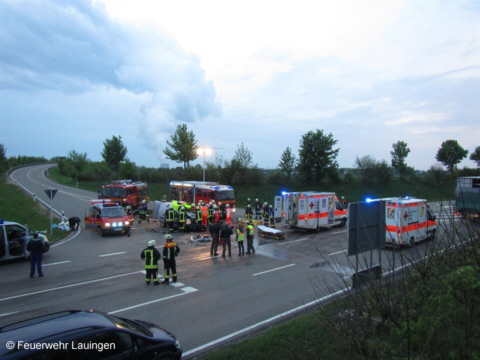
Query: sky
[(259, 73)]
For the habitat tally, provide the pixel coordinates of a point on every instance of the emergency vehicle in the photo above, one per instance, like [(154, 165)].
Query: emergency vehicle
[(194, 191), (125, 193), (467, 196), (312, 210), (408, 220), (107, 217), (13, 240)]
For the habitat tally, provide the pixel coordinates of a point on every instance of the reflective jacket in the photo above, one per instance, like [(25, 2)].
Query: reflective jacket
[(151, 256), (170, 250)]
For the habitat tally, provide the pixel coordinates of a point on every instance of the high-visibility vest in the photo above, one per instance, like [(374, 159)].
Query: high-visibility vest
[(170, 215), (241, 235), (204, 211), (181, 216), (250, 230)]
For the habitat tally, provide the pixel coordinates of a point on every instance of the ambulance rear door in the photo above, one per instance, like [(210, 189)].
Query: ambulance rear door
[(331, 210), (277, 207), (302, 214), (313, 211)]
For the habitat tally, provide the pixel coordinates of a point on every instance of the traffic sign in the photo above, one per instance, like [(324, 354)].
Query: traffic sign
[(51, 193)]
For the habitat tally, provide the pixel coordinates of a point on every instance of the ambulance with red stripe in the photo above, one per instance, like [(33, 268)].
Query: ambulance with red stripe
[(312, 210), (408, 221)]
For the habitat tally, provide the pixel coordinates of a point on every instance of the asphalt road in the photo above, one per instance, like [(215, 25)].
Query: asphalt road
[(215, 300)]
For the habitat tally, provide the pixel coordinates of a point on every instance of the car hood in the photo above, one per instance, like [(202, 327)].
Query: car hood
[(158, 332)]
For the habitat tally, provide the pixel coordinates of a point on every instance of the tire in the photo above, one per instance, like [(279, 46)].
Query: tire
[(411, 243), (318, 229), (343, 222)]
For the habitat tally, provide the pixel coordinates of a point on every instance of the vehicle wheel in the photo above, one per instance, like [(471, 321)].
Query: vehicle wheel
[(317, 229), (343, 222), (412, 242)]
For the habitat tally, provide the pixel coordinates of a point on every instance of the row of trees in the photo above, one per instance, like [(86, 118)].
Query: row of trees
[(316, 162)]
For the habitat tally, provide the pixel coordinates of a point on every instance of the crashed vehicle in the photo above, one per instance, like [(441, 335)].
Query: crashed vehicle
[(160, 212), (14, 238)]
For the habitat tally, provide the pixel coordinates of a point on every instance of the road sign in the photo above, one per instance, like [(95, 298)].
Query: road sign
[(51, 193)]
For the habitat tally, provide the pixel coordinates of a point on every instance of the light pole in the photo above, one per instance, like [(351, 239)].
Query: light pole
[(204, 151)]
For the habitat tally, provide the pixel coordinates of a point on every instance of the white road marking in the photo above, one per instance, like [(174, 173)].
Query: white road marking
[(339, 232), (6, 314), (186, 290), (338, 252), (112, 254), (264, 272), (288, 242), (68, 286), (57, 263)]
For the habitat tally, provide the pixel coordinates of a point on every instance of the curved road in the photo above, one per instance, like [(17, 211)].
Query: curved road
[(216, 299)]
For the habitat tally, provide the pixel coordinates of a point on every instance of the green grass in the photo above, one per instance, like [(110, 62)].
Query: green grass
[(17, 206)]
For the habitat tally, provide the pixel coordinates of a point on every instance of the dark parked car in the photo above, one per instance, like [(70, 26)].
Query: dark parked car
[(88, 335)]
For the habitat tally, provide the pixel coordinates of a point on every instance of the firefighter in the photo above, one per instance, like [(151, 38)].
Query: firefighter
[(344, 202), (216, 214), (151, 257), (142, 214), (250, 234), (258, 208), (240, 238), (249, 212), (228, 214), (249, 202), (170, 216), (271, 217), (204, 210), (221, 207), (265, 214), (181, 219), (199, 213), (211, 214), (170, 252)]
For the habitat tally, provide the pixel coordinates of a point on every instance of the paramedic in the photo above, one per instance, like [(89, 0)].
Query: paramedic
[(204, 210)]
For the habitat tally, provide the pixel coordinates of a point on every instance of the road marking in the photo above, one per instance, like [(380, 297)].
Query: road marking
[(264, 272), (112, 254), (68, 286), (338, 252), (339, 232), (57, 263), (186, 290), (288, 242), (6, 314)]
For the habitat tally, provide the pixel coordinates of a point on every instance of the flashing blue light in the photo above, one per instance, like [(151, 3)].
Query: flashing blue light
[(368, 200), (284, 193)]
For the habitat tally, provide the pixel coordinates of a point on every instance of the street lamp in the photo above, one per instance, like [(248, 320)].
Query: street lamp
[(204, 151)]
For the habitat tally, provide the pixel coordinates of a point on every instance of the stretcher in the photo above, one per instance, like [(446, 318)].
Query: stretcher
[(267, 232)]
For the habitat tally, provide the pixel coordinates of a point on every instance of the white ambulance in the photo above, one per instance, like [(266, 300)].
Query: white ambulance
[(312, 210), (408, 220)]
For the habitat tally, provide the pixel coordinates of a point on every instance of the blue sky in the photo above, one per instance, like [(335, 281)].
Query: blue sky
[(262, 73)]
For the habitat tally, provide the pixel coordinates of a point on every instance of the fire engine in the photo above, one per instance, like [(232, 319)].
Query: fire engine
[(107, 217), (194, 191), (312, 210), (408, 220), (125, 193)]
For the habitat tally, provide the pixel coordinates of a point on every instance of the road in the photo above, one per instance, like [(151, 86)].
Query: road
[(216, 299)]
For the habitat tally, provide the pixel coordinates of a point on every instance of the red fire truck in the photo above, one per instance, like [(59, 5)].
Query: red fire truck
[(125, 192), (194, 191)]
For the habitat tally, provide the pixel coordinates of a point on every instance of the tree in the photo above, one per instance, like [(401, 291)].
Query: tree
[(76, 163), (373, 172), (287, 163), (3, 158), (241, 169), (243, 156), (114, 151), (450, 154), (182, 147), (316, 156), (475, 156), (399, 153)]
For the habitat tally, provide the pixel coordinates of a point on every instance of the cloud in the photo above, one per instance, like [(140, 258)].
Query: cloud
[(74, 47)]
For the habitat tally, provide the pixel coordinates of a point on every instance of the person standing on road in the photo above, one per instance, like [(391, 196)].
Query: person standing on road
[(250, 234), (36, 248), (249, 213), (170, 216), (271, 217), (225, 233), (151, 257), (258, 209), (214, 232), (170, 252), (240, 239)]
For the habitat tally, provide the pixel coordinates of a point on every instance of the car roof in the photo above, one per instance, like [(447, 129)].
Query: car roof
[(56, 323), (10, 223)]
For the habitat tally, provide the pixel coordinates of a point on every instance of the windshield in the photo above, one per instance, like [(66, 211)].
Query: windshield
[(113, 212), (118, 192), (225, 195)]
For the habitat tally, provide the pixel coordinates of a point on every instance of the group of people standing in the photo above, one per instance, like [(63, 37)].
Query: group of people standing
[(151, 256), (263, 212), (222, 232)]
